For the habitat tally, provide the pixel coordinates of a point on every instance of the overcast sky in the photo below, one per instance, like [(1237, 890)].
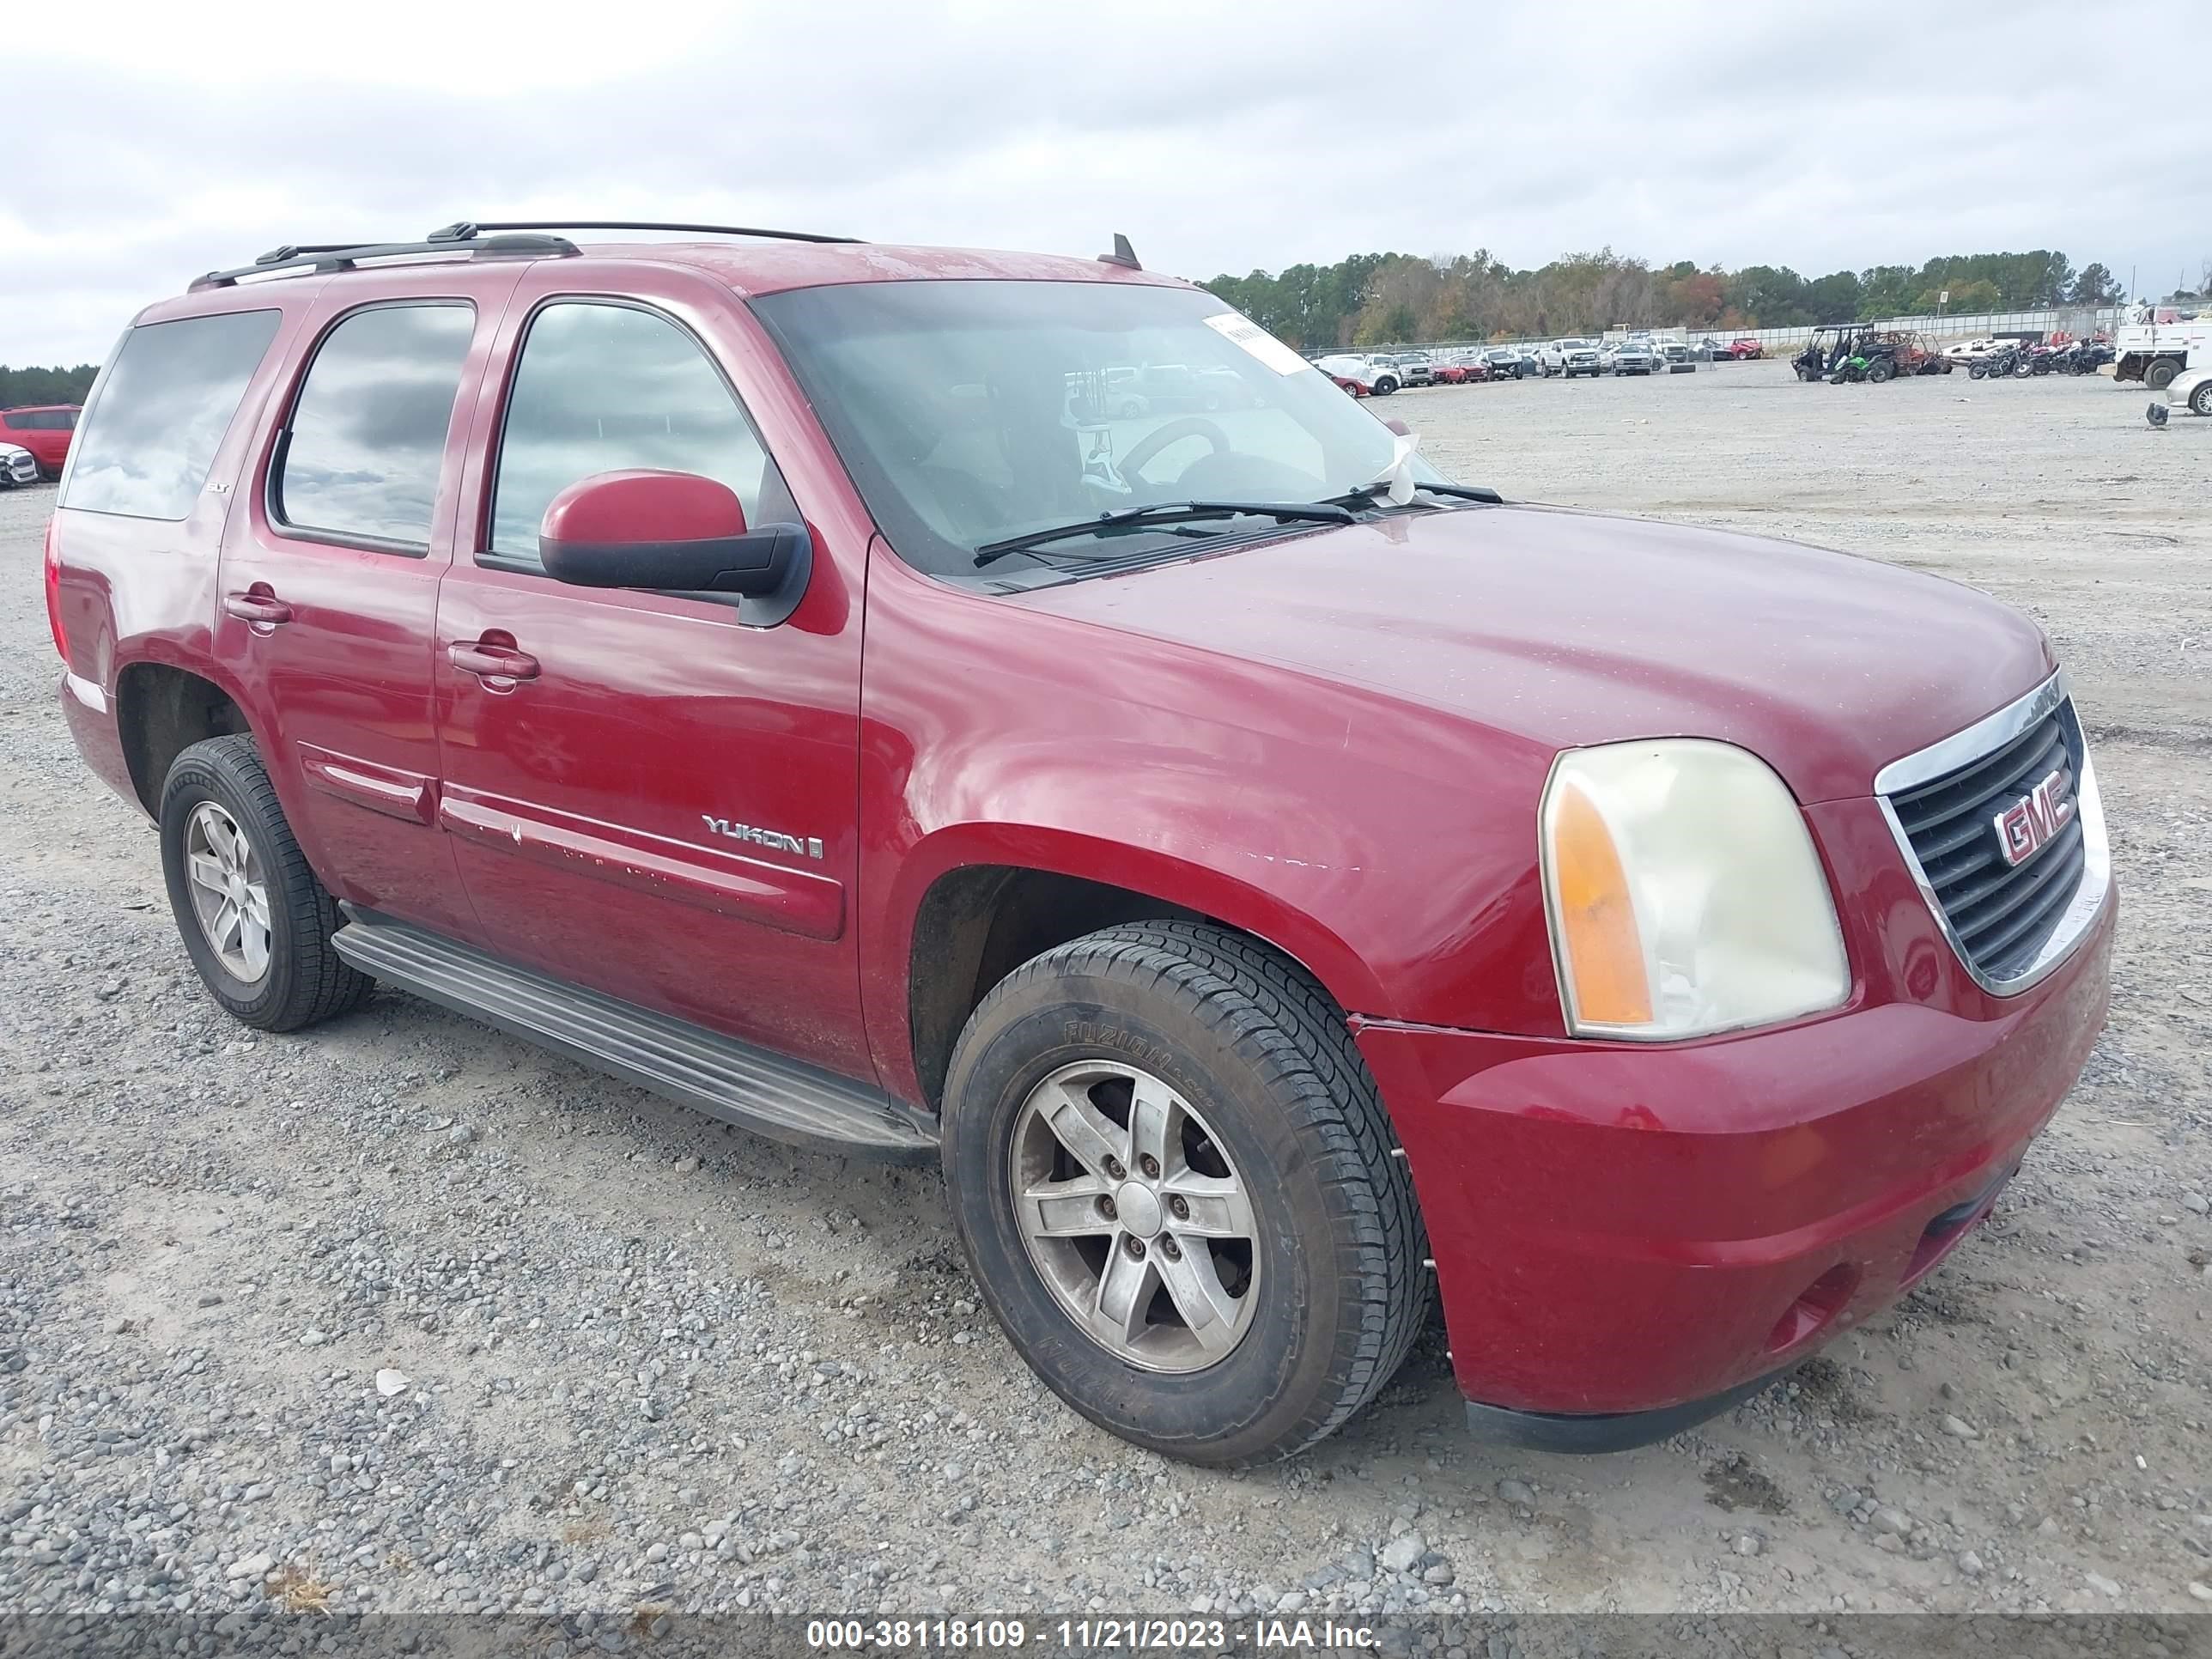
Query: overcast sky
[(168, 139)]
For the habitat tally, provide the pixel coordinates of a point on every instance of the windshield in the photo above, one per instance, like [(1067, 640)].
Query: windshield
[(970, 412)]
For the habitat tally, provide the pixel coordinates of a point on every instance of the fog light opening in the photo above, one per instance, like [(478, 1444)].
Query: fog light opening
[(1945, 1230), (1815, 1308)]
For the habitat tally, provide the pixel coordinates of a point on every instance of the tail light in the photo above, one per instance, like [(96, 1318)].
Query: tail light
[(54, 588)]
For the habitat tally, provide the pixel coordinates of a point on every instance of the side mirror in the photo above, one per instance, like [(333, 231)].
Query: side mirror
[(1399, 427), (672, 532)]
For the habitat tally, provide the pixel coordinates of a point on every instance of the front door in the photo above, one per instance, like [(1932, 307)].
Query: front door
[(330, 579), (646, 795)]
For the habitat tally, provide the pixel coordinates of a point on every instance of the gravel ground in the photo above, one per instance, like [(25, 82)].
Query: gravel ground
[(401, 1314)]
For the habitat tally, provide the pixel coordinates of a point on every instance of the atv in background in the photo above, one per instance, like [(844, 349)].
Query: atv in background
[(1847, 351), (1914, 353)]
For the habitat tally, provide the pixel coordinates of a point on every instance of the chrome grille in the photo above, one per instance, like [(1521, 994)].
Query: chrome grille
[(2010, 923)]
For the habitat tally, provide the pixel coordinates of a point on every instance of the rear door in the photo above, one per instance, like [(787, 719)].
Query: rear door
[(661, 804), (328, 597)]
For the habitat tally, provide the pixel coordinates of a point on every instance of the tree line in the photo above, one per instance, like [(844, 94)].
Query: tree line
[(1378, 299), (45, 385)]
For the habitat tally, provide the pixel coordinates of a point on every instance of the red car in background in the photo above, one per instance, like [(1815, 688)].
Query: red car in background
[(45, 429)]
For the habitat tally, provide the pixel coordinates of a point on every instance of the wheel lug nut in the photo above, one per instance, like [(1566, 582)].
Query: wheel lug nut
[(1106, 1208), (1180, 1208), (1171, 1249), (1115, 1167), (1136, 1246), (1149, 1165)]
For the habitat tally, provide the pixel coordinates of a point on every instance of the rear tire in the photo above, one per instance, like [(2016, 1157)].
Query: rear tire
[(2160, 375), (280, 973), (1881, 372), (1220, 1032)]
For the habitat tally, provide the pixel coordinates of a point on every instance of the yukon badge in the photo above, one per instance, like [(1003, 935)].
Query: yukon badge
[(776, 841), (2026, 826)]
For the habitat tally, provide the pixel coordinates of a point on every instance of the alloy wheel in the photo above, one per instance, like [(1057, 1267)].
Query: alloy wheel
[(1134, 1217), (229, 892)]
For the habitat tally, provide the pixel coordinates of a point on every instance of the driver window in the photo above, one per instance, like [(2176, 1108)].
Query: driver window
[(602, 387)]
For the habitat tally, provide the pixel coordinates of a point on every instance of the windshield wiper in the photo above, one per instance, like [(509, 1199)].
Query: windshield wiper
[(1166, 512), (1367, 493)]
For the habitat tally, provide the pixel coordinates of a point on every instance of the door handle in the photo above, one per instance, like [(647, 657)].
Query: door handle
[(492, 662), (257, 605)]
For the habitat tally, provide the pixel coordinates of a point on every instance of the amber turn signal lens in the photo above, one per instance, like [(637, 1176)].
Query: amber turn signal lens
[(1603, 953)]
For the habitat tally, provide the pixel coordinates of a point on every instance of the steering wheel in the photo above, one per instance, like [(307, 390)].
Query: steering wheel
[(1133, 464)]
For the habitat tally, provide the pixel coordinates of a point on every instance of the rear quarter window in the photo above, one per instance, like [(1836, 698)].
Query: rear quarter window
[(363, 452), (152, 430)]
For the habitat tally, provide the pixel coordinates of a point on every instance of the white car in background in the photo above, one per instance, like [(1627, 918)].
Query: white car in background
[(2191, 390), (1378, 376), (18, 467)]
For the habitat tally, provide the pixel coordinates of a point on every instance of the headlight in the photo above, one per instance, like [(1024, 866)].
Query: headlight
[(1684, 893)]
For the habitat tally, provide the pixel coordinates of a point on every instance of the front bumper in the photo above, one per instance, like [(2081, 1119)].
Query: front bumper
[(1657, 1229)]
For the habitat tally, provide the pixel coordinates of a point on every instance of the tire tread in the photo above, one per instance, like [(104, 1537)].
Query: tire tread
[(322, 983), (1281, 1020)]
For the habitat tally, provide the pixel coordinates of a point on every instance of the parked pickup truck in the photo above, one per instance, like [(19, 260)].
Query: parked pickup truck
[(2154, 352), (1569, 358), (1278, 885), (1628, 358), (1417, 368)]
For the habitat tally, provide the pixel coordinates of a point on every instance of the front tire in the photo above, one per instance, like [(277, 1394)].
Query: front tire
[(255, 920), (1385, 386), (2200, 400), (1171, 1173)]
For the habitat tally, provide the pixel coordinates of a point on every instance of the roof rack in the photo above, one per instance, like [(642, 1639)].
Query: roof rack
[(466, 229), (341, 256)]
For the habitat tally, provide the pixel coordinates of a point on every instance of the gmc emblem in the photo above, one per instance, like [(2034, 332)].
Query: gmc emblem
[(2025, 827)]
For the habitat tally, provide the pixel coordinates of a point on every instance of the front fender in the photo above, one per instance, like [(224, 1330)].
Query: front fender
[(1388, 847), (1184, 883)]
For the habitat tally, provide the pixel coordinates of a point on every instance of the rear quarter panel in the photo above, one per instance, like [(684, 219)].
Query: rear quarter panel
[(135, 590)]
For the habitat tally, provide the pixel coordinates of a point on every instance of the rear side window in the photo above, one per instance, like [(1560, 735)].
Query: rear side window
[(20, 423), (601, 388), (362, 453), (152, 431)]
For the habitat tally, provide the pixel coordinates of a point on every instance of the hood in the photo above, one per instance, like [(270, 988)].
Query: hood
[(1566, 629)]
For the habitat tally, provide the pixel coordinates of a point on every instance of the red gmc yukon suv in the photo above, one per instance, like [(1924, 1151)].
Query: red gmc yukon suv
[(1278, 885)]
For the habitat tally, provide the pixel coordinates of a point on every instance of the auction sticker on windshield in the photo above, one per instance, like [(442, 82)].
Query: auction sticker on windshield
[(1243, 331)]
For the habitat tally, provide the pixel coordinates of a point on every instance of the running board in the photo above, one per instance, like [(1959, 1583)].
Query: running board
[(785, 1100)]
